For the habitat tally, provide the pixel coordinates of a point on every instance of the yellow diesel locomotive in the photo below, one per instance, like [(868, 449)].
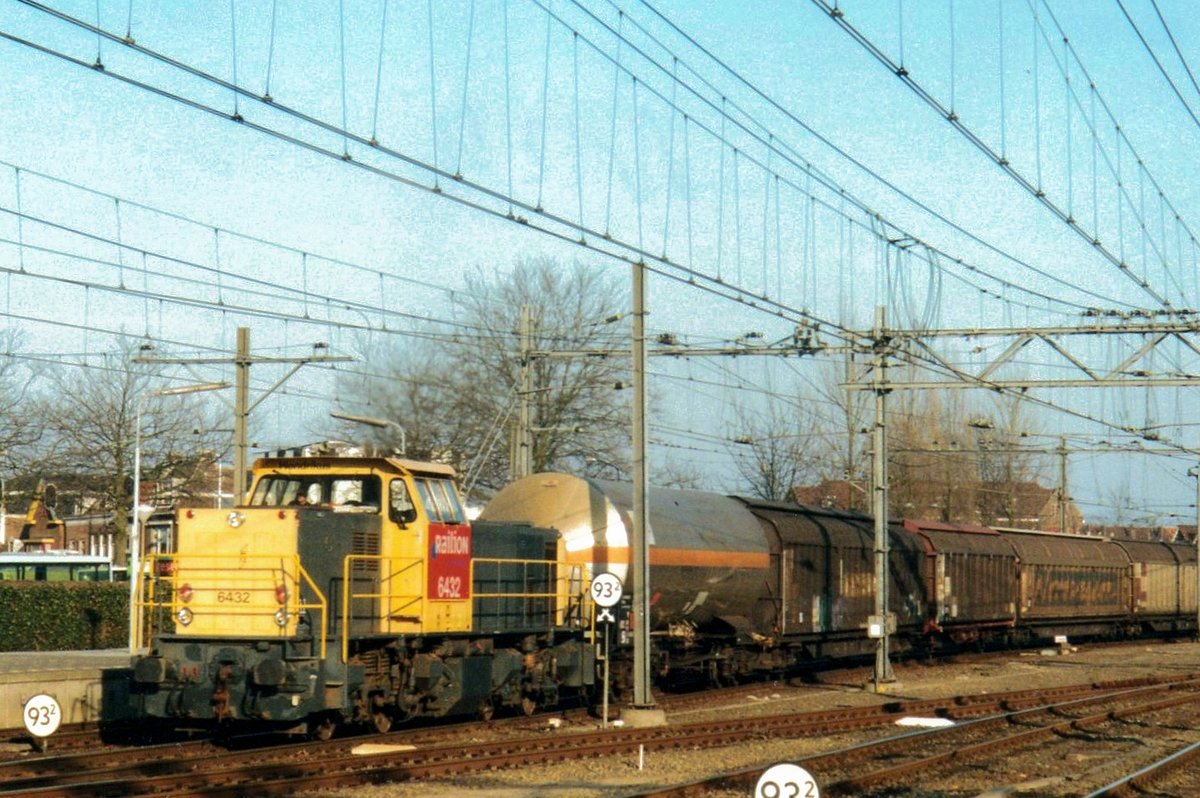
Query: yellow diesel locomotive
[(354, 589)]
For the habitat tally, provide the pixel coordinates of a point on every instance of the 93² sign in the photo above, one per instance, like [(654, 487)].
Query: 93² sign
[(606, 590), (786, 781), (42, 715)]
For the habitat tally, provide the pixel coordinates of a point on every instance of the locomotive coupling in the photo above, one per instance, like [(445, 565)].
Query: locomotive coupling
[(150, 670)]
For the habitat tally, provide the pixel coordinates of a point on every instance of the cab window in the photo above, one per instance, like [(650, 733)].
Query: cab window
[(441, 501), (452, 502), (428, 501), (400, 506), (336, 490)]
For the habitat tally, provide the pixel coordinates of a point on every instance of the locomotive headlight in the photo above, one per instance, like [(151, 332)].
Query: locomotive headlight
[(184, 616), (281, 618)]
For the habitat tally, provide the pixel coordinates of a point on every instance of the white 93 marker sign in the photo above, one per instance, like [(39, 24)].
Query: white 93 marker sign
[(786, 781), (42, 715), (606, 590)]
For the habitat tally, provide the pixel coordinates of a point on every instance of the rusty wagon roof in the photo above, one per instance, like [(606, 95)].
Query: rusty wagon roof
[(1055, 548), (804, 525), (946, 538)]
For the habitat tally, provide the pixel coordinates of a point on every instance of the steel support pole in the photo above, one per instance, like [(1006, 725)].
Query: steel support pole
[(640, 548), (135, 560), (241, 414), (1062, 484), (523, 455), (879, 494)]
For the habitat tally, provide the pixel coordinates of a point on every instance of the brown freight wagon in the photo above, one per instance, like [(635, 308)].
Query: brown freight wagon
[(1162, 583), (824, 561), (972, 579), (1070, 584)]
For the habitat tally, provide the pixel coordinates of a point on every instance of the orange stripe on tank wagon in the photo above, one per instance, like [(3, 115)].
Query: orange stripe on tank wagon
[(696, 558)]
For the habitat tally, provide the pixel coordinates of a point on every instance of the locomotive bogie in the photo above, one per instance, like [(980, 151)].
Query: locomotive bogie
[(222, 680)]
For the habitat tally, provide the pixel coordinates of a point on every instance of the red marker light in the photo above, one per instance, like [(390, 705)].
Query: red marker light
[(281, 594), (185, 593)]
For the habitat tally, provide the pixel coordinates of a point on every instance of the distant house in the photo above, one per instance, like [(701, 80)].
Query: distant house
[(834, 494), (1028, 505)]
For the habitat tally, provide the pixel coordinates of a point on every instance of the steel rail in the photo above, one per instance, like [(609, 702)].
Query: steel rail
[(1139, 782)]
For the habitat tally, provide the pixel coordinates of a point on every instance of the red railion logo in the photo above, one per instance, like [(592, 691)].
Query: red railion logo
[(449, 562)]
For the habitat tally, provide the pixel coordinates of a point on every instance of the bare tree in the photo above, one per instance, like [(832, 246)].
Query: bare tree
[(950, 462), (19, 430), (458, 397), (846, 444), (774, 451), (931, 466), (677, 474), (1005, 472)]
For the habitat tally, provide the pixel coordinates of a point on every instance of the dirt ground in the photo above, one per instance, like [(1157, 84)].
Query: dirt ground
[(620, 776)]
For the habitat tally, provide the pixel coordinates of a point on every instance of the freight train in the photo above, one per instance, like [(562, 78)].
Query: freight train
[(354, 589)]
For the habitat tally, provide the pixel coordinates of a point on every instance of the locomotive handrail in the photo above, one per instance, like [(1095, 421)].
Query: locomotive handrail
[(558, 591), (348, 595), (165, 570)]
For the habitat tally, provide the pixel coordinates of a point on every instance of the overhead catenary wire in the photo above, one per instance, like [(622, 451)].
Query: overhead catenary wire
[(1154, 57), (997, 158), (1179, 53), (874, 174), (622, 251), (325, 126)]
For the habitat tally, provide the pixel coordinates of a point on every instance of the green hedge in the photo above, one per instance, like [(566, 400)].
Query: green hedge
[(63, 616)]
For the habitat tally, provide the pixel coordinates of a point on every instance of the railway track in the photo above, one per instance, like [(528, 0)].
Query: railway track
[(1167, 776), (957, 760), (88, 737), (202, 769)]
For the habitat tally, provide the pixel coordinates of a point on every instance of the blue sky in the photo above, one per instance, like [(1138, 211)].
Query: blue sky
[(556, 113)]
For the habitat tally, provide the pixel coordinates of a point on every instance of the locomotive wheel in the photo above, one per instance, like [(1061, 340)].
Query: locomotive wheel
[(382, 721), (322, 727)]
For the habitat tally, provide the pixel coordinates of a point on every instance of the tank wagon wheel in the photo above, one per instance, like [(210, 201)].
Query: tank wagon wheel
[(528, 704), (487, 710)]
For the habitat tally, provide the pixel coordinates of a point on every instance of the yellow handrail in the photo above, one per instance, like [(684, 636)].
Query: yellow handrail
[(161, 577), (557, 589), (384, 580)]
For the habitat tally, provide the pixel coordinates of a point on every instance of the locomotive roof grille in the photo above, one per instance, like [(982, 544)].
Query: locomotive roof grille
[(394, 464)]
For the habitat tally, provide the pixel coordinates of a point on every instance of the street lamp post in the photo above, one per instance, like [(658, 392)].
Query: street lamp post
[(135, 543), (380, 423)]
